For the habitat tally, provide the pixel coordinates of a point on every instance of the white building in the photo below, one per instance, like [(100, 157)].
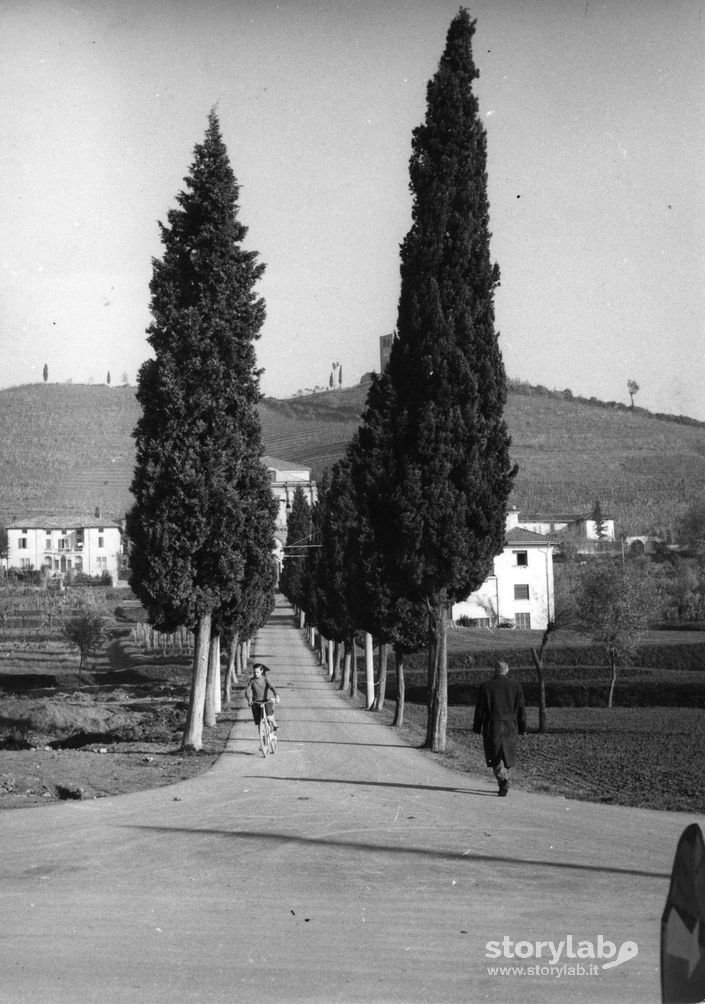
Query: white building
[(579, 525), (520, 592), (286, 478), (59, 546)]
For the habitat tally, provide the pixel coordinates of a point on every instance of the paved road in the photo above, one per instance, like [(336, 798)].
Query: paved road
[(349, 867)]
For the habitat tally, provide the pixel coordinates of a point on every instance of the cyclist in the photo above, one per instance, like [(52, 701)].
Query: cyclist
[(258, 689)]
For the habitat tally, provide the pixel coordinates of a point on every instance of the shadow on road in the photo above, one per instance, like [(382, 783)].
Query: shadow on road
[(287, 838), (378, 784)]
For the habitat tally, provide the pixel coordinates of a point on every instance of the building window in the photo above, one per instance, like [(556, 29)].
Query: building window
[(522, 558), (102, 562), (523, 621), (48, 547), (521, 592), (101, 541), (22, 543), (25, 563)]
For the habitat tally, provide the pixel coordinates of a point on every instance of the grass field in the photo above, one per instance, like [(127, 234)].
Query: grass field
[(646, 757)]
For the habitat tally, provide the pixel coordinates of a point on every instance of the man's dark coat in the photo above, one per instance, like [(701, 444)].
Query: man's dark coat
[(500, 715)]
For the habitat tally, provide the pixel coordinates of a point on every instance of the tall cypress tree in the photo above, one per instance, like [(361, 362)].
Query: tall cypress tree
[(298, 534), (449, 464), (198, 468), (336, 562), (377, 606)]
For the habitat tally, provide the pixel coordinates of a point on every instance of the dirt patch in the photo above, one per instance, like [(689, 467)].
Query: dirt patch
[(120, 733), (42, 776)]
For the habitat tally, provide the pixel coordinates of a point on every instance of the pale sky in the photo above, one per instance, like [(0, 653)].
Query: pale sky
[(595, 115)]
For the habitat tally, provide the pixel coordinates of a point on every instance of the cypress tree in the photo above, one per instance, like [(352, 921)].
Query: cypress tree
[(377, 607), (298, 532), (198, 469), (449, 467), (336, 563)]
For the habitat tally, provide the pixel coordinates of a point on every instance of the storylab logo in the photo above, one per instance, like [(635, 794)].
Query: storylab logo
[(568, 957)]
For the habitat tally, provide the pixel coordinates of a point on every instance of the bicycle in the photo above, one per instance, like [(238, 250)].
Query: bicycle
[(267, 735)]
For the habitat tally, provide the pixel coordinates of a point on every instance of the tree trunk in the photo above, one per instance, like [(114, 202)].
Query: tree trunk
[(193, 730), (382, 681), (218, 677), (230, 672), (613, 678), (347, 663), (438, 698), (537, 656), (212, 683), (401, 687), (337, 662), (353, 671), (369, 671)]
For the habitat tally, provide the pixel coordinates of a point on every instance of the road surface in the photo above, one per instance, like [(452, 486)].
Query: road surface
[(349, 867)]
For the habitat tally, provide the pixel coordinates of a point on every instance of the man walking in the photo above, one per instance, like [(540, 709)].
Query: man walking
[(500, 716)]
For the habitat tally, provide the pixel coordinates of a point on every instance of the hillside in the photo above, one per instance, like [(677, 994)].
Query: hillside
[(68, 448)]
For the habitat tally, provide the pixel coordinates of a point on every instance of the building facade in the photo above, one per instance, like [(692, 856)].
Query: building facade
[(385, 350), (64, 545), (520, 592), (285, 478), (579, 525)]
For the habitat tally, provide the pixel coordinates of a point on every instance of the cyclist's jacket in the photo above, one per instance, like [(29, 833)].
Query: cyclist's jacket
[(259, 689)]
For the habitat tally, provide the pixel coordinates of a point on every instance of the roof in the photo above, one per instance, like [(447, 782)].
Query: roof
[(518, 535), (61, 523), (283, 465), (552, 517)]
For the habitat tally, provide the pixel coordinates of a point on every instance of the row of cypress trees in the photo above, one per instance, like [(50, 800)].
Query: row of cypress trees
[(414, 513)]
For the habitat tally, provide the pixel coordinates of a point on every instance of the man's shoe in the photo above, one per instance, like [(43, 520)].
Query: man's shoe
[(503, 788)]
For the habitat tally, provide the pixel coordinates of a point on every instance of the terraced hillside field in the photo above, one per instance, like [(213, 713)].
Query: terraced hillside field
[(69, 448)]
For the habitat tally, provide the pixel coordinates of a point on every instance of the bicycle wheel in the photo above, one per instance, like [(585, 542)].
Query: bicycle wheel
[(264, 734)]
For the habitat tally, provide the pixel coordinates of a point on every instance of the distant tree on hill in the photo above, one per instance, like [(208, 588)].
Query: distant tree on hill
[(633, 388), (125, 378), (107, 379), (45, 372), (199, 483)]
